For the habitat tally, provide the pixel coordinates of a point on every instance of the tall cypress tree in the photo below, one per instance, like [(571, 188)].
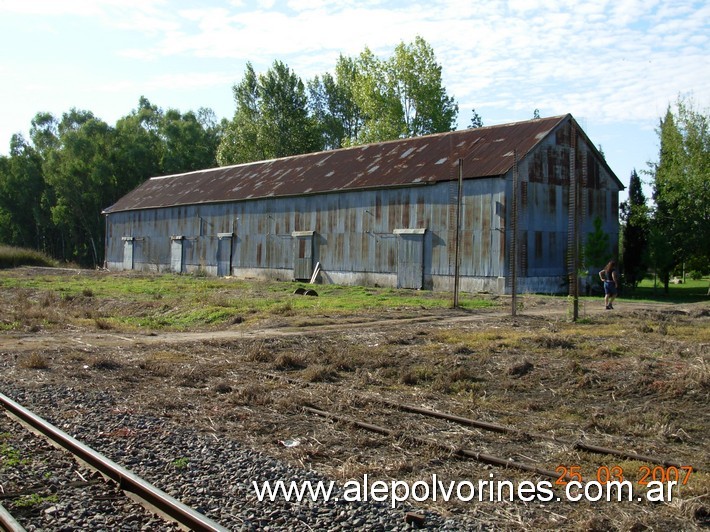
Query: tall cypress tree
[(634, 215)]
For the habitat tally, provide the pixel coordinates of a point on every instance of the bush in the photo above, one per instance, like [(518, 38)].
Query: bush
[(695, 275)]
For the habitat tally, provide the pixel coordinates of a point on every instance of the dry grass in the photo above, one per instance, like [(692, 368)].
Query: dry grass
[(319, 373), (251, 395), (35, 361), (636, 381), (103, 324), (289, 361), (105, 363)]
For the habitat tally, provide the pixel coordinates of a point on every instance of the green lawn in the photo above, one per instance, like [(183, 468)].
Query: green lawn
[(691, 291), (185, 301)]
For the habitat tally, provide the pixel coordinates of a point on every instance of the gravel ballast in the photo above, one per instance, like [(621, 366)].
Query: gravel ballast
[(212, 474)]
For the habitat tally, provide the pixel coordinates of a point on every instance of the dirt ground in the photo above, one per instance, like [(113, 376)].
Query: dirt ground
[(636, 378)]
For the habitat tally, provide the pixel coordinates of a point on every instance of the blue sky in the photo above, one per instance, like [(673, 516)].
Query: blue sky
[(614, 64)]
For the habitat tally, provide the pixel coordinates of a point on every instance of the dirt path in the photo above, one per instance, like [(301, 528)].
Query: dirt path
[(554, 309)]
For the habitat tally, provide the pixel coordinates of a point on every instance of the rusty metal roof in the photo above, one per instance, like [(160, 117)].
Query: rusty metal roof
[(486, 151)]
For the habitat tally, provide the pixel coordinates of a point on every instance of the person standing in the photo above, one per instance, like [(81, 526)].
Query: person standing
[(611, 283)]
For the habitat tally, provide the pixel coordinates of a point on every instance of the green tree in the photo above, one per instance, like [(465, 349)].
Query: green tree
[(151, 142), (271, 119), (681, 191), (634, 233), (186, 143), (418, 86), (375, 95), (138, 145), (596, 248), (240, 141), (82, 175), (53, 189), (403, 96), (332, 104), (23, 219), (44, 133), (476, 120)]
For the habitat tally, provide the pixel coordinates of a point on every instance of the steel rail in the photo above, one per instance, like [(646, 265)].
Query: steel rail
[(466, 453), (502, 429), (494, 427), (128, 481), (8, 523)]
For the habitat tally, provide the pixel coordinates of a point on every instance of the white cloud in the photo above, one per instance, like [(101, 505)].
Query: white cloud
[(84, 8)]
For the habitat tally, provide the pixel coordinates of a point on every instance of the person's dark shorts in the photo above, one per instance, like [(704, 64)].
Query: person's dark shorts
[(609, 288)]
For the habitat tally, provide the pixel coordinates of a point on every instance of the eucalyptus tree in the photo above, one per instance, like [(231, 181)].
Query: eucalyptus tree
[(24, 220), (138, 145), (188, 141), (82, 173)]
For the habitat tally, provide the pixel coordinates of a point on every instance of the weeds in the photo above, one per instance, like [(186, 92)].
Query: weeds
[(106, 364), (319, 373), (102, 324), (35, 361), (459, 380), (35, 499), (251, 395), (11, 457), (417, 375), (521, 369), (181, 463), (288, 361), (222, 388)]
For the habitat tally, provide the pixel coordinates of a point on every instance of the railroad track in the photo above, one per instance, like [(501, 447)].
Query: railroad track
[(657, 465), (138, 489)]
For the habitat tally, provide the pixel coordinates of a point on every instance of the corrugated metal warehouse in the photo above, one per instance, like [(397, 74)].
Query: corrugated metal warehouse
[(381, 214)]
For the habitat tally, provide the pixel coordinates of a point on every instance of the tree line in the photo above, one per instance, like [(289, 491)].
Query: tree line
[(54, 185)]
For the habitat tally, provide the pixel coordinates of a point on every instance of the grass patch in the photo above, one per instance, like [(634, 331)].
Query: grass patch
[(13, 257), (251, 395), (11, 456), (105, 364), (35, 499), (416, 376), (181, 463), (183, 302), (692, 291), (458, 380)]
